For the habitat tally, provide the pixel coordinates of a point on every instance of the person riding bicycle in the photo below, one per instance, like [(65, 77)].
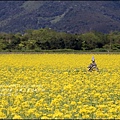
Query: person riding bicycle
[(93, 65)]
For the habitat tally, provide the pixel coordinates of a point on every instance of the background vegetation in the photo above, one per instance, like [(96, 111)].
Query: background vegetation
[(48, 39)]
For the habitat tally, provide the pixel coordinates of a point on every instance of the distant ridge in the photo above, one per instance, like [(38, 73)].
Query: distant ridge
[(66, 16)]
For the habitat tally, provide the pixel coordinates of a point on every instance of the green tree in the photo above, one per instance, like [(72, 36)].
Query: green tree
[(2, 45), (89, 41)]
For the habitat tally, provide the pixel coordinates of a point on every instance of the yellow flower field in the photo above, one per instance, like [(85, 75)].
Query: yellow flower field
[(59, 86)]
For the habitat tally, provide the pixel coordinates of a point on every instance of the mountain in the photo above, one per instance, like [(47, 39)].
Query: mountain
[(67, 16)]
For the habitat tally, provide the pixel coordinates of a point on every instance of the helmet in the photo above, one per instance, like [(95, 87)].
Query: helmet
[(93, 59)]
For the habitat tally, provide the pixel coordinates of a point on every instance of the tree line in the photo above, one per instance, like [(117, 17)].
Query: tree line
[(48, 39)]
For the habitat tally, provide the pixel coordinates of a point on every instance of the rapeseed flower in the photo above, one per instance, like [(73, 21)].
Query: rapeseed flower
[(59, 86)]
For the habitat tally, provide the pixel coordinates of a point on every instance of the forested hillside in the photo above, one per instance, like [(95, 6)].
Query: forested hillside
[(66, 16), (49, 39)]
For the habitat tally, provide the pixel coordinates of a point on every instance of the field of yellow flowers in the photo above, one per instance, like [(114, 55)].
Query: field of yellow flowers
[(59, 86)]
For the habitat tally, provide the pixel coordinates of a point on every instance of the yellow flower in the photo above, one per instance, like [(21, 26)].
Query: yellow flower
[(2, 115), (66, 106), (50, 115), (83, 110), (100, 114), (85, 116), (37, 115), (57, 114), (49, 86), (73, 103), (67, 116), (76, 115), (112, 110), (17, 117), (30, 111), (79, 103), (44, 117)]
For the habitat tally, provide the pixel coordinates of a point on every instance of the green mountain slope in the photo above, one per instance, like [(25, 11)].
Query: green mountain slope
[(67, 16)]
